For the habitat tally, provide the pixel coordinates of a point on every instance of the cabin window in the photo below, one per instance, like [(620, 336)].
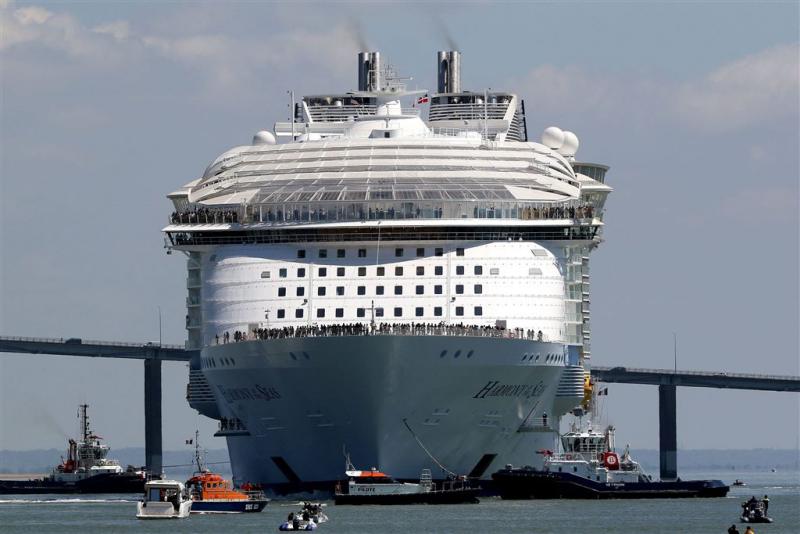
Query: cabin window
[(301, 272), (281, 314), (398, 252), (381, 271), (340, 271), (282, 273), (398, 312), (323, 272), (360, 312), (437, 311), (340, 291), (459, 310), (478, 269), (459, 269), (459, 252), (264, 274), (301, 253), (420, 252), (281, 291), (320, 313), (420, 290), (298, 313), (398, 271), (321, 291), (459, 289), (362, 271), (478, 289), (301, 291), (378, 312), (478, 310), (439, 252), (418, 312), (340, 253), (437, 290), (339, 312), (362, 290), (398, 290), (438, 270), (323, 253), (420, 271)]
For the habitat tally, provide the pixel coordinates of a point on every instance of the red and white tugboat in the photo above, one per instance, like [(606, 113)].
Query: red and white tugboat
[(85, 470)]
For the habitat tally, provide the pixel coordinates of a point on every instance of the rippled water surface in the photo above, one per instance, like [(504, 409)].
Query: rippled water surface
[(60, 514)]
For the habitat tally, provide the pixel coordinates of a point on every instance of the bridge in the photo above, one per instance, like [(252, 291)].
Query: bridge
[(153, 354)]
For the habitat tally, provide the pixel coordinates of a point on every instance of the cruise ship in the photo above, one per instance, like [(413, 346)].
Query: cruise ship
[(402, 275)]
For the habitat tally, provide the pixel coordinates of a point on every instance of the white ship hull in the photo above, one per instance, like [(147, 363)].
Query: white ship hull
[(302, 400)]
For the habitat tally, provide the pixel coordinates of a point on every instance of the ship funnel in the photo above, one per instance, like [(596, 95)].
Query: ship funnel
[(448, 66), (369, 71)]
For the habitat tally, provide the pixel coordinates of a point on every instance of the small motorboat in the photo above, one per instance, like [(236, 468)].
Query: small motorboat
[(738, 482), (296, 522), (755, 511), (164, 499)]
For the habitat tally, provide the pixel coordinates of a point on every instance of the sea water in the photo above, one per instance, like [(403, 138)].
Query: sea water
[(58, 514)]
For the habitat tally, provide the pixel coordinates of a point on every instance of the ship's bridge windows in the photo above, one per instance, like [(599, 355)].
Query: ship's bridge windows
[(362, 271), (301, 291), (301, 272), (420, 290), (265, 274), (437, 290), (341, 253), (381, 271), (362, 290), (459, 289), (379, 290), (339, 291), (459, 269), (438, 270), (320, 313), (281, 291), (478, 310), (398, 252), (478, 269), (362, 253), (437, 311), (340, 271), (398, 271), (298, 313), (460, 311), (438, 251), (398, 312), (459, 252), (420, 252), (478, 289), (323, 253), (378, 312), (281, 313), (301, 253), (398, 290), (282, 273), (420, 271), (340, 312), (321, 291), (360, 312), (322, 272), (418, 311)]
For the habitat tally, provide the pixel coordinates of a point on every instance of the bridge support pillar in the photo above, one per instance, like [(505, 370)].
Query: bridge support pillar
[(152, 416), (667, 432)]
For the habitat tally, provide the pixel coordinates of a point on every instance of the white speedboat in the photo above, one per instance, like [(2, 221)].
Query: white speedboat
[(164, 499)]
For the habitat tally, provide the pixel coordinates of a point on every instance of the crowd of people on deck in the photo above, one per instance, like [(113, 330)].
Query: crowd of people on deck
[(368, 329), (201, 215), (231, 423)]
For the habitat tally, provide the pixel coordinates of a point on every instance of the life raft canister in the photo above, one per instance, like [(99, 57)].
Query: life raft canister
[(611, 461)]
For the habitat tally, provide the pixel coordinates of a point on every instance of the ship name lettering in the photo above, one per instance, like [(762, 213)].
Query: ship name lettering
[(494, 388)]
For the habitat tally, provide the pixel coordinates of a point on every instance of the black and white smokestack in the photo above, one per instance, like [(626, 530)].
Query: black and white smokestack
[(369, 71), (448, 66)]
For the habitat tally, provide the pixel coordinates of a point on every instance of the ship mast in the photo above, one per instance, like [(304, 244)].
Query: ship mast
[(84, 422)]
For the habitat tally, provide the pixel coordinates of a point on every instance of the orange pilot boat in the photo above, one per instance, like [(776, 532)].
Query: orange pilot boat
[(212, 494)]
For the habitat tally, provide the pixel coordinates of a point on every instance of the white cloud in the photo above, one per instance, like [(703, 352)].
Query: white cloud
[(120, 30), (32, 15), (756, 88)]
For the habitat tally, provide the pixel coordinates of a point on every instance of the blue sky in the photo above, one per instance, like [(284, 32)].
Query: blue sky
[(107, 107)]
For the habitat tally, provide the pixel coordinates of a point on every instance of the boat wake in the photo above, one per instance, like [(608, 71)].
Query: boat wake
[(64, 501)]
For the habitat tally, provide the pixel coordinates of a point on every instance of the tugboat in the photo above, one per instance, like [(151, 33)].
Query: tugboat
[(375, 487), (589, 468), (85, 470), (212, 494)]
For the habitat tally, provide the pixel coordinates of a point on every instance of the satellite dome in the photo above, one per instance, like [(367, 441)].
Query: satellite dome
[(570, 145), (553, 137), (264, 138)]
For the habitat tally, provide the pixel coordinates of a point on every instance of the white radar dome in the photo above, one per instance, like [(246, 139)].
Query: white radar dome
[(553, 137), (570, 145), (264, 138)]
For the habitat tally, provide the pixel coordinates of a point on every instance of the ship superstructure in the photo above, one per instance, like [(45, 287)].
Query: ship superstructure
[(403, 260)]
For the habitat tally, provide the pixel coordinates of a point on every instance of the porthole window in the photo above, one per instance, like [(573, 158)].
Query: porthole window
[(379, 290), (420, 290), (322, 272), (398, 271), (398, 312), (437, 311), (281, 291), (460, 310), (362, 271), (321, 291), (469, 354), (340, 271), (418, 312), (457, 354), (281, 313), (398, 290), (459, 269)]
